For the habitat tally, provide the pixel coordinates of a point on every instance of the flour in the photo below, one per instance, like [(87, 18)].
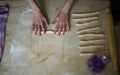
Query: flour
[(16, 49), (26, 17)]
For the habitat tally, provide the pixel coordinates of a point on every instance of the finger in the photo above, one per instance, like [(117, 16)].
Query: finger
[(36, 23), (46, 22), (63, 29), (56, 29), (54, 21), (33, 27), (60, 29), (39, 30), (42, 27), (67, 26), (36, 29)]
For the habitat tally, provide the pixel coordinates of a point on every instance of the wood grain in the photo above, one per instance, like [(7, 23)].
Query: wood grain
[(112, 42)]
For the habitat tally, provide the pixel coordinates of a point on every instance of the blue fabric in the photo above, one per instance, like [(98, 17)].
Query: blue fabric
[(3, 22)]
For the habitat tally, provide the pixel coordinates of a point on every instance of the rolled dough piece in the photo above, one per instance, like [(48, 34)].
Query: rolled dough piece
[(85, 14), (88, 23), (49, 32), (95, 30), (91, 36), (92, 39), (88, 19), (93, 48), (97, 51), (93, 42), (88, 54), (93, 52)]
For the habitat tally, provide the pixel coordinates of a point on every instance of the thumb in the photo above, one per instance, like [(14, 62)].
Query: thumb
[(54, 21)]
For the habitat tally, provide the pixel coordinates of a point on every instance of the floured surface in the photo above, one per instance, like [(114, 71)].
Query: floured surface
[(27, 54)]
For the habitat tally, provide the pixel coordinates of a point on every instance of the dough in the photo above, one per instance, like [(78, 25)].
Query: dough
[(84, 53), (93, 42), (91, 36), (95, 30), (88, 19), (49, 32), (93, 48), (88, 23), (85, 14)]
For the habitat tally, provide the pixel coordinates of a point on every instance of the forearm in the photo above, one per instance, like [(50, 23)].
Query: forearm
[(67, 6), (34, 7)]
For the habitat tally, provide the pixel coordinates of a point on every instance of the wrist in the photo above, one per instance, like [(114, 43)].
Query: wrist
[(35, 11), (66, 11), (66, 8)]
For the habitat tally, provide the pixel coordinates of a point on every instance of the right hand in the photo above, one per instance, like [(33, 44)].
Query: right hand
[(62, 23), (40, 23)]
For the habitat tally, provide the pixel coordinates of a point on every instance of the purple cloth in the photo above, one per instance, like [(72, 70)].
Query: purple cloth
[(96, 63), (3, 22)]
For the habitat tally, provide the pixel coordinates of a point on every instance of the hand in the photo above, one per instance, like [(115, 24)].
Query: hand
[(39, 23), (62, 23)]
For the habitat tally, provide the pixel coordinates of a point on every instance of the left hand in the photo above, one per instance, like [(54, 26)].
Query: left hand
[(62, 23), (40, 23)]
